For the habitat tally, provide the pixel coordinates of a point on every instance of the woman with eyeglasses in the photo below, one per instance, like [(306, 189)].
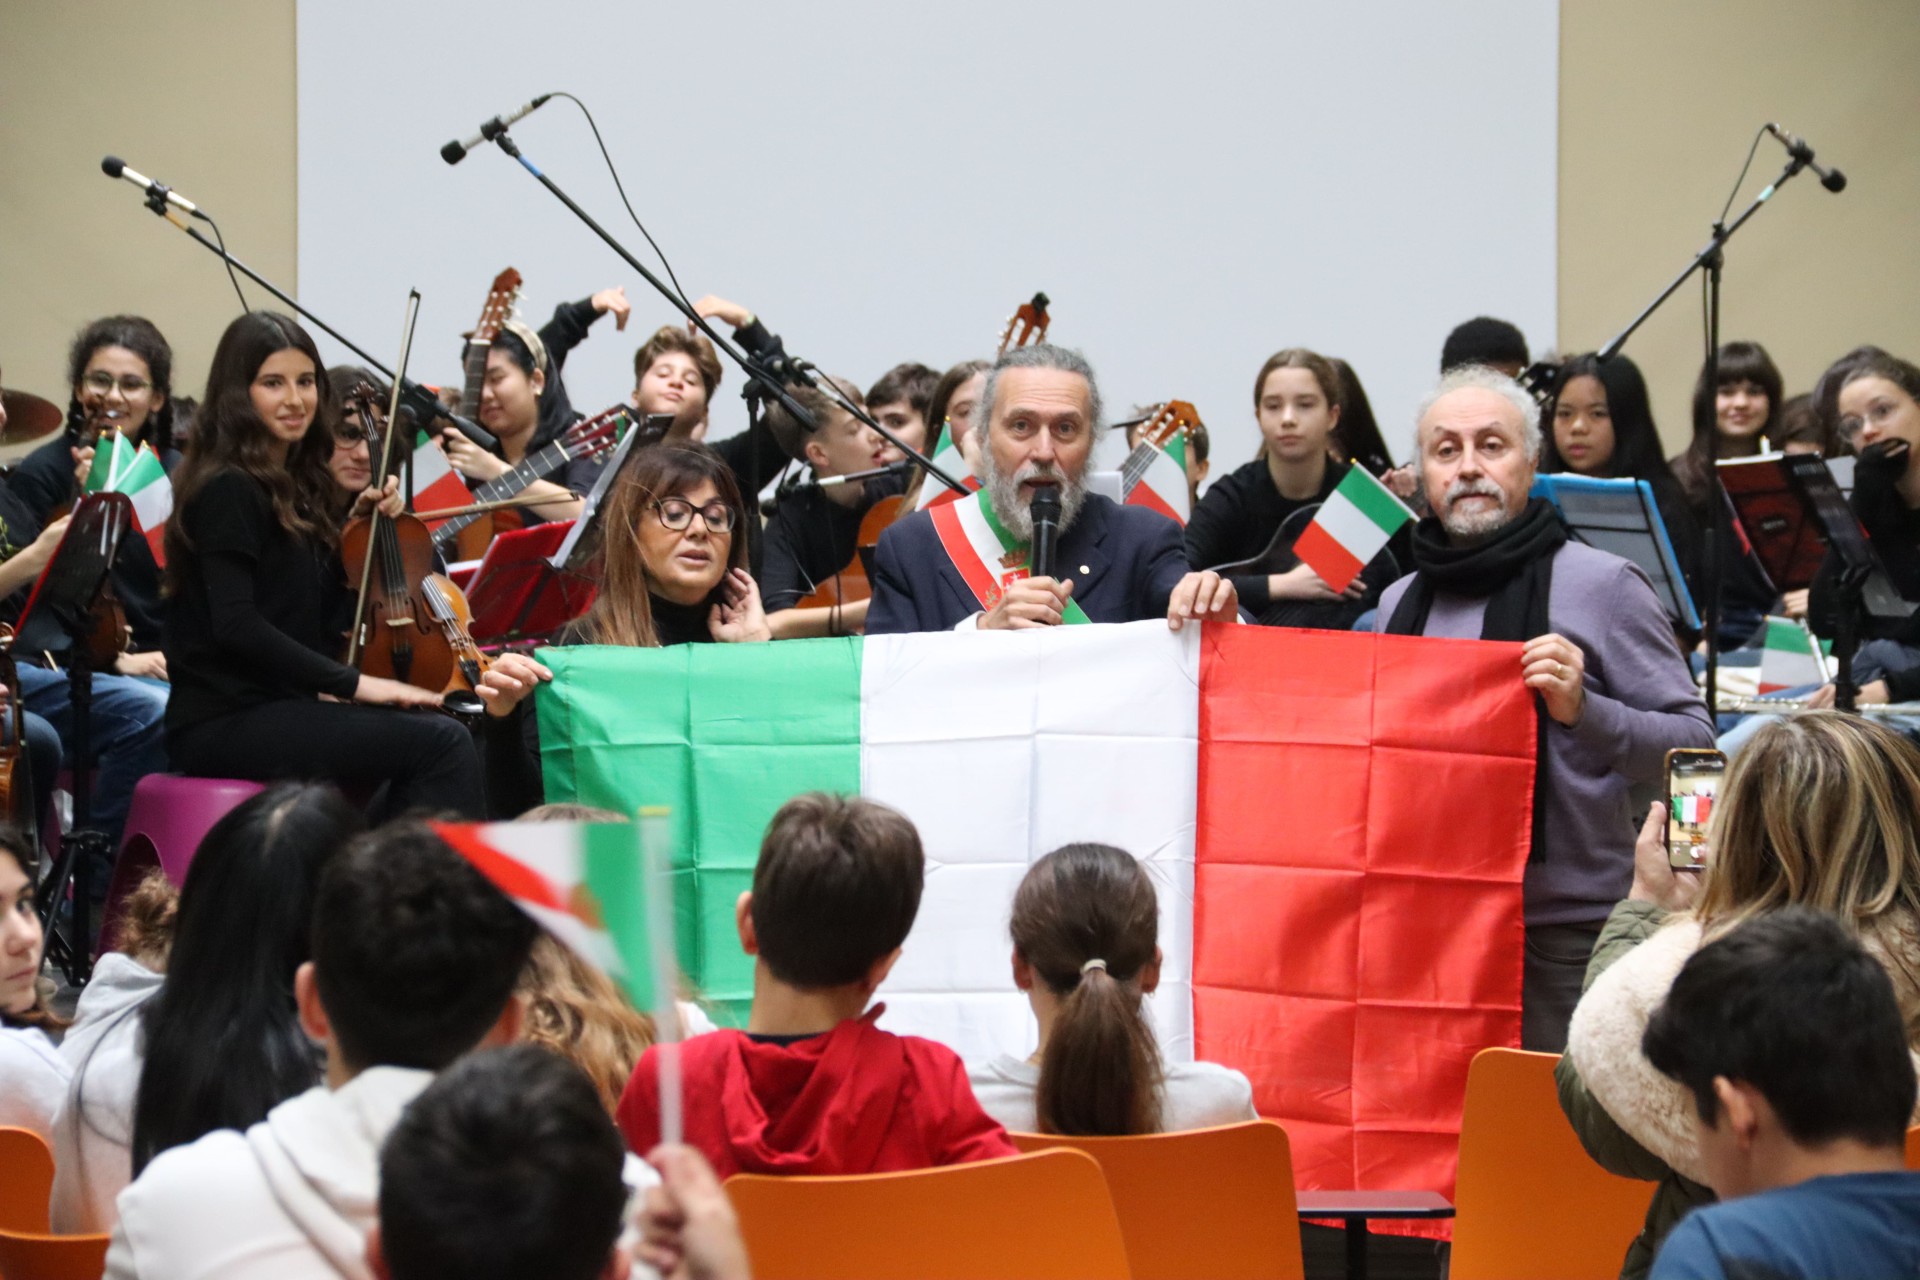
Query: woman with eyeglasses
[(258, 603), (120, 370), (675, 573)]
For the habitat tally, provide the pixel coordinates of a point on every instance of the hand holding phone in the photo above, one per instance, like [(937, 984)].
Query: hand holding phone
[(1693, 787)]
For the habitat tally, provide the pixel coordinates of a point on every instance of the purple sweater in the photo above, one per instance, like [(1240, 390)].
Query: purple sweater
[(1640, 702)]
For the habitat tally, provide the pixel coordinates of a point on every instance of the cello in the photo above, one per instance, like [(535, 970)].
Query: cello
[(850, 584)]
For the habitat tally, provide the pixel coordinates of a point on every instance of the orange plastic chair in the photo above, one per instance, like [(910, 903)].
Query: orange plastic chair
[(26, 1180), (1913, 1147), (1045, 1217), (1205, 1202), (27, 1256), (1531, 1200)]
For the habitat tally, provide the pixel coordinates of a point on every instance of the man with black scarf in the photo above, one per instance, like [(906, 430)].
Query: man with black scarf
[(1612, 690)]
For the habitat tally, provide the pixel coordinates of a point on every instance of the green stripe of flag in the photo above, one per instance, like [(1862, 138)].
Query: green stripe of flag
[(1374, 499), (723, 736)]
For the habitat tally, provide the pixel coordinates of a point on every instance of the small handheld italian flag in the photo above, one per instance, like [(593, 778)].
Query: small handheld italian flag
[(1353, 524), (1163, 487), (121, 466), (1790, 657), (436, 485), (1692, 810), (949, 459), (601, 889)]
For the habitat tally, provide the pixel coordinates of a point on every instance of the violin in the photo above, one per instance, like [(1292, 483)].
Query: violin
[(410, 621)]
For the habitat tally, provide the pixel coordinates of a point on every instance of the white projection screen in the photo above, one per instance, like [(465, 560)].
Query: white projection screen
[(1195, 186)]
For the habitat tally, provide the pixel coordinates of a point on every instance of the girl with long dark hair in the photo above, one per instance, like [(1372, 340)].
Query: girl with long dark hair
[(1603, 427), (259, 605), (223, 1040), (33, 1076), (520, 380), (1085, 929)]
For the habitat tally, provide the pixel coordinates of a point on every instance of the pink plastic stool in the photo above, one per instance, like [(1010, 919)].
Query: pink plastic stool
[(169, 817)]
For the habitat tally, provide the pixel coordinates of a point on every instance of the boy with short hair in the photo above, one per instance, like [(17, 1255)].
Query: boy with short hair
[(1788, 1035), (812, 1086), (899, 400), (815, 533), (415, 957), (506, 1166)]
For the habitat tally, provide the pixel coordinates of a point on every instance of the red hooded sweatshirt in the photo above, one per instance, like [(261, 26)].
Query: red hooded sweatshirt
[(855, 1100)]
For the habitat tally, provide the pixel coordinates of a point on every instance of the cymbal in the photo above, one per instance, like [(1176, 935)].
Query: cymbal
[(29, 417)]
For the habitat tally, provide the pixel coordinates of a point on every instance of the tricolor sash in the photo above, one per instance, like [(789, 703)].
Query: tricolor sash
[(984, 552), (949, 459)]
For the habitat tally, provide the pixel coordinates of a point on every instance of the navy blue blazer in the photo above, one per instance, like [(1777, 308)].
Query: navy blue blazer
[(1124, 562)]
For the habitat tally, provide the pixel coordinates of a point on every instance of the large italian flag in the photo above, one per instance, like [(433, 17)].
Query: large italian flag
[(1337, 824)]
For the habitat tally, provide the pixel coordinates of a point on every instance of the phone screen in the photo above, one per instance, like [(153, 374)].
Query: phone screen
[(1693, 784)]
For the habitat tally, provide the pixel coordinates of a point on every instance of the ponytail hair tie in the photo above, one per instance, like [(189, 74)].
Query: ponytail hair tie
[(1091, 965)]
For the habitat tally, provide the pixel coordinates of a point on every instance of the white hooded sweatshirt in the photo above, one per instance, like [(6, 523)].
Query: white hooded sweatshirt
[(290, 1199), (93, 1130)]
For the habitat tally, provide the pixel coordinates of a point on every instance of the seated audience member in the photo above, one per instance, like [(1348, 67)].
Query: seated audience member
[(1732, 418), (812, 1086), (1880, 417), (675, 573), (1820, 810), (415, 957), (687, 1224), (220, 1043), (33, 1075), (899, 401), (1485, 341), (93, 1130), (504, 1168), (575, 1010), (1612, 692), (1040, 415), (815, 534), (1787, 1034), (1296, 402), (1085, 925), (1198, 447)]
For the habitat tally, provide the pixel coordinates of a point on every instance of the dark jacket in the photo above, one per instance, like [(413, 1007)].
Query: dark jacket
[(1124, 563)]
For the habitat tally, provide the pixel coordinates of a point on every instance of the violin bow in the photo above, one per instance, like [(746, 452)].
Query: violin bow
[(386, 461)]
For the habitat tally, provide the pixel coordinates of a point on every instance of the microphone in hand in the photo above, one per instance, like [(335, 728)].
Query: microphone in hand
[(1045, 510)]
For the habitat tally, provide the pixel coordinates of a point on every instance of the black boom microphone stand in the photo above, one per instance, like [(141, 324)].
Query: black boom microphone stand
[(763, 381), (1712, 259), (422, 403)]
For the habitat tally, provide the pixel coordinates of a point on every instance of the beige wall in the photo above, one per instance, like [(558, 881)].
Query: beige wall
[(200, 95), (1659, 100), (1652, 130)]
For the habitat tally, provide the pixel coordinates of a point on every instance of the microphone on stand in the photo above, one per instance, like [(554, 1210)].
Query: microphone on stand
[(1045, 510), (1832, 179), (455, 152), (115, 167)]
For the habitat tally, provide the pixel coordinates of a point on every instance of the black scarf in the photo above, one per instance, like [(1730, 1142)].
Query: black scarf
[(1513, 572)]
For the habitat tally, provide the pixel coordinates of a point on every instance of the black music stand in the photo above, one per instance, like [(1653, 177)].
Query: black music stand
[(1795, 516), (58, 622)]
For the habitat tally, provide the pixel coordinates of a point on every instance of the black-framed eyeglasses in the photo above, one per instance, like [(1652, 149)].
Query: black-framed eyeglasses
[(101, 383), (677, 514)]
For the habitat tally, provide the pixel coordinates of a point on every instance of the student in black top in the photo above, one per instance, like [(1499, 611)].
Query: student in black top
[(1603, 427), (120, 370), (815, 532), (516, 383), (258, 602), (678, 576), (1296, 398), (1879, 410)]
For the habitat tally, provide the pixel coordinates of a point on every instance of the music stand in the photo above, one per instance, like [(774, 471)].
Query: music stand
[(582, 544), (518, 593), (58, 621), (1621, 517), (1795, 515)]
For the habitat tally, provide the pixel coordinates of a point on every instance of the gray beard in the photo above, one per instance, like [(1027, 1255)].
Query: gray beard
[(1016, 516)]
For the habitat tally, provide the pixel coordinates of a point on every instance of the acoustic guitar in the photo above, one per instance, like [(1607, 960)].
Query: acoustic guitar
[(587, 438)]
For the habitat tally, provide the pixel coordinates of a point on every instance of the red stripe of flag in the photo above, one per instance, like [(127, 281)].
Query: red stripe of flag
[(1327, 557), (515, 879)]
